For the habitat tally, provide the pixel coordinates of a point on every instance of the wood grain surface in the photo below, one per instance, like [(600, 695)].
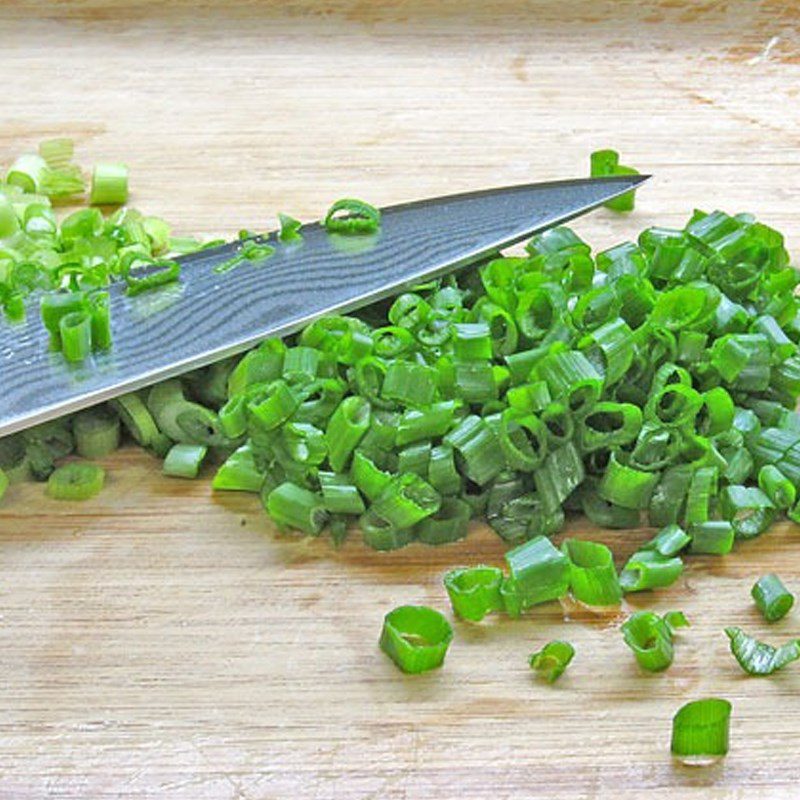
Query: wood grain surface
[(163, 642)]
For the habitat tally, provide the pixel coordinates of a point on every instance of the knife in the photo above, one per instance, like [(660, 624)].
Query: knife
[(208, 316)]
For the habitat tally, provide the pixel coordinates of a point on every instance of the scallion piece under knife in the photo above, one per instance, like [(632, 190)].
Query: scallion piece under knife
[(773, 599), (96, 432)]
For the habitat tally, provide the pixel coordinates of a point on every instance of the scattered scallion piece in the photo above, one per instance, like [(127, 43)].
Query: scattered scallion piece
[(650, 638), (474, 591), (700, 731), (109, 184), (552, 660), (772, 598), (538, 572), (592, 576), (759, 658), (676, 620), (416, 638), (78, 480)]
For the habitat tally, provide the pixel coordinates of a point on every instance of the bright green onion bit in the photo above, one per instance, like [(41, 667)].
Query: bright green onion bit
[(700, 731), (552, 660), (592, 575), (772, 598), (648, 569), (758, 658), (239, 473), (715, 537), (349, 216), (606, 162), (538, 572), (290, 228), (669, 541), (294, 507), (416, 638), (676, 620), (650, 638), (78, 480), (184, 460), (777, 487), (109, 184), (748, 509), (136, 418), (474, 591)]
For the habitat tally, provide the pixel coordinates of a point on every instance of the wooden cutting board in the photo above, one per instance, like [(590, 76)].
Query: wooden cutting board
[(160, 641)]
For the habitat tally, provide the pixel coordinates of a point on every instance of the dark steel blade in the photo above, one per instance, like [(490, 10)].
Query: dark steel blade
[(208, 316)]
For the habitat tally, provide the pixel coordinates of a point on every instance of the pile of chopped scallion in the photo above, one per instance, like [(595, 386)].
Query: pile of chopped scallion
[(653, 383)]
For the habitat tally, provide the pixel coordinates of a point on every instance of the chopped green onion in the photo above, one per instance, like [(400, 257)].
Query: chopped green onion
[(758, 658), (669, 541), (339, 495), (136, 418), (648, 569), (294, 507), (777, 487), (184, 460), (346, 427), (714, 537), (592, 576), (406, 500), (151, 274), (290, 228), (75, 333), (700, 731), (748, 509), (625, 486), (449, 524), (96, 432), (478, 448), (109, 184), (78, 480), (552, 660), (676, 620), (358, 217), (416, 638), (475, 591), (606, 162), (239, 473), (773, 599), (650, 639), (538, 572)]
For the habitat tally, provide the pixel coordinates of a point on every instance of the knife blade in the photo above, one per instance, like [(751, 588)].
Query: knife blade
[(208, 316)]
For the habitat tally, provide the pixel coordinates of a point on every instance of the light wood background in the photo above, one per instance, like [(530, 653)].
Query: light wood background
[(163, 642)]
